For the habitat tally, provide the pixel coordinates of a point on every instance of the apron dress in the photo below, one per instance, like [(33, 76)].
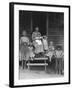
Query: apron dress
[(31, 53), (37, 42), (45, 44), (24, 50)]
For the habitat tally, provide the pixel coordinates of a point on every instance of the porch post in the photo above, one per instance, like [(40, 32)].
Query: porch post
[(47, 24), (31, 23)]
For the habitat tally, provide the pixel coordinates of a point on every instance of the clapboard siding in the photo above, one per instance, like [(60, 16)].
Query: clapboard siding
[(56, 35)]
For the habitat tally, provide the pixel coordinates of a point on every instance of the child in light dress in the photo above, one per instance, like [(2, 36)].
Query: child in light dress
[(31, 52), (37, 41), (24, 50), (51, 46), (50, 51), (45, 43), (38, 45), (50, 54)]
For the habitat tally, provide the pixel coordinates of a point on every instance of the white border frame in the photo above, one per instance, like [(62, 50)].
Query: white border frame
[(18, 82)]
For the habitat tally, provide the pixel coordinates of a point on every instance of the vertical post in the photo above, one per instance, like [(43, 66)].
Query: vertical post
[(31, 23), (45, 65), (22, 64), (28, 65), (47, 24)]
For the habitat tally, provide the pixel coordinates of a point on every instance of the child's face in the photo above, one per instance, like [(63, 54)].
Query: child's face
[(44, 37), (51, 43), (58, 48), (24, 33), (36, 29)]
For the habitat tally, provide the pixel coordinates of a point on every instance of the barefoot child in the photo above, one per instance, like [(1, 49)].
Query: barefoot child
[(31, 52), (50, 51), (24, 50), (59, 57), (45, 43)]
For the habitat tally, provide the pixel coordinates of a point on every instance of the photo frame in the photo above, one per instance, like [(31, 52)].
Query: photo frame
[(53, 21)]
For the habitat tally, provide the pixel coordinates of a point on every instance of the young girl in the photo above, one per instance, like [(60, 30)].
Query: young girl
[(45, 43), (31, 52), (36, 33), (50, 51), (24, 50), (50, 54), (51, 46), (37, 41)]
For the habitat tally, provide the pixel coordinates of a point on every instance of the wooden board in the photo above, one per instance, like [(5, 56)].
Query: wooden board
[(38, 64)]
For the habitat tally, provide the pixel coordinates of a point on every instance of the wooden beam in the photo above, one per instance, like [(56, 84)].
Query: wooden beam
[(38, 64), (31, 23), (40, 58), (47, 21)]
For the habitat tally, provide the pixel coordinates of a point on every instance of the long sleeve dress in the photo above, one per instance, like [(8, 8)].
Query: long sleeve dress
[(45, 43), (24, 50), (37, 42)]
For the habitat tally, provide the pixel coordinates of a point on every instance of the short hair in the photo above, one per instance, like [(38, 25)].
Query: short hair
[(59, 47), (37, 28)]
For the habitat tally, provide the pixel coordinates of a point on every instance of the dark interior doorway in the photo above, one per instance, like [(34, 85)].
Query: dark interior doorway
[(38, 20)]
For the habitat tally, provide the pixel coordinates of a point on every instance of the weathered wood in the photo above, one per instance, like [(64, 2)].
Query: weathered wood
[(40, 58), (38, 64), (47, 24)]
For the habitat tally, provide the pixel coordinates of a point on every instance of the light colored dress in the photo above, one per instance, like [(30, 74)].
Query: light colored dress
[(51, 47), (50, 54), (24, 50), (38, 45), (37, 42), (45, 43), (31, 53)]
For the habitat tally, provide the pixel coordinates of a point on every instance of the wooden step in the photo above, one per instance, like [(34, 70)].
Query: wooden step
[(40, 58), (38, 64)]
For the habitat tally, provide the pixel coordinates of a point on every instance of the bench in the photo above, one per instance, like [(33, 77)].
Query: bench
[(38, 64)]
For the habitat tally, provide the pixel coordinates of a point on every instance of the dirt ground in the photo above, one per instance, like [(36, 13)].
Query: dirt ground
[(36, 72)]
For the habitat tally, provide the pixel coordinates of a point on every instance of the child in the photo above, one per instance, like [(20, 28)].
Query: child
[(50, 54), (38, 45), (59, 57), (50, 51), (31, 53), (45, 43), (36, 33), (51, 46), (24, 50), (37, 41)]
